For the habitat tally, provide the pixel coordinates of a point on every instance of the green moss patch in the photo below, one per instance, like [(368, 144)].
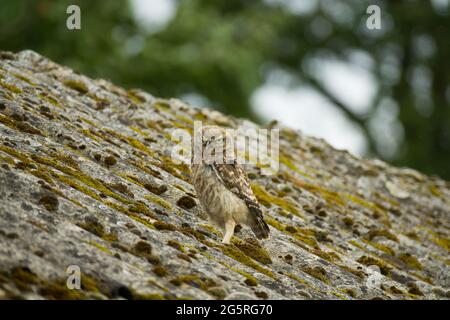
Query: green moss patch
[(410, 261), (381, 247), (161, 225), (369, 261), (254, 251), (193, 280), (159, 201), (77, 85), (381, 233), (318, 273), (176, 245), (241, 257), (144, 250), (160, 271), (93, 226), (20, 125), (186, 202), (27, 281), (269, 200), (50, 202)]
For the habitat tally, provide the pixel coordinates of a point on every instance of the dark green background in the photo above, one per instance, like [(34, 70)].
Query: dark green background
[(224, 49)]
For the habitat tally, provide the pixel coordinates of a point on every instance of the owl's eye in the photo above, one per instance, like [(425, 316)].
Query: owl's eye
[(213, 138)]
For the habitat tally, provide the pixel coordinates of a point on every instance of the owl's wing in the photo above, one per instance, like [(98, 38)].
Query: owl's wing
[(234, 178)]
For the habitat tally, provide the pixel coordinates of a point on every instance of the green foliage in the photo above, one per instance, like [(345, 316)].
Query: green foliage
[(223, 50)]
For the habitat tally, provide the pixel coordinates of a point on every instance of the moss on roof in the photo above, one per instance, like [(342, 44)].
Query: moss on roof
[(86, 180)]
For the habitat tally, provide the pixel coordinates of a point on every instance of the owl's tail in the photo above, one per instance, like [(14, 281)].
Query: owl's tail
[(258, 225)]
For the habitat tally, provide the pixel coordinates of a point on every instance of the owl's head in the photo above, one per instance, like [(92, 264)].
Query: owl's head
[(209, 144), (213, 135)]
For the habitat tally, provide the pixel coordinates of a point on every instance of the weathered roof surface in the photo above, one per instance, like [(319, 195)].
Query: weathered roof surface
[(87, 180)]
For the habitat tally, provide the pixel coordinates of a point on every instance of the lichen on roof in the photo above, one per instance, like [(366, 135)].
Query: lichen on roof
[(87, 180)]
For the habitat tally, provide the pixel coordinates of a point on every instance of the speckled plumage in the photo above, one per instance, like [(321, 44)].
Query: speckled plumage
[(225, 193)]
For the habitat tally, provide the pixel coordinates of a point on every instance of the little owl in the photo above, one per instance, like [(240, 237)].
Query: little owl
[(222, 186)]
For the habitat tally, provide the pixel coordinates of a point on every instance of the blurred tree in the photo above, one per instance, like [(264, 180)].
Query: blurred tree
[(225, 50), (40, 25)]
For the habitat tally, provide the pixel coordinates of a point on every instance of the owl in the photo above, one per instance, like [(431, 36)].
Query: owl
[(223, 187)]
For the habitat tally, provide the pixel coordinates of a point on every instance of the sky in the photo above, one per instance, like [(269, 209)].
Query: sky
[(299, 107), (153, 15)]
